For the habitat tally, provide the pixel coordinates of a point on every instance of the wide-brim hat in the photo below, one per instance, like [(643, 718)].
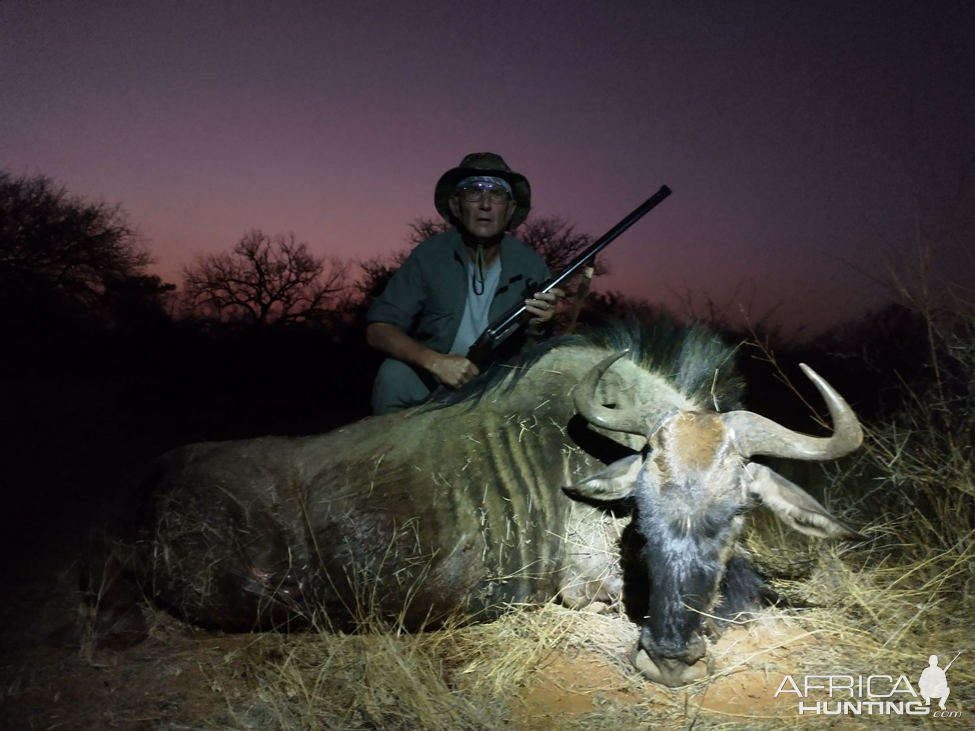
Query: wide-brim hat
[(484, 163)]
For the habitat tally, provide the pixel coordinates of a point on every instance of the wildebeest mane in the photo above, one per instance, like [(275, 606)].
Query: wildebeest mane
[(691, 357)]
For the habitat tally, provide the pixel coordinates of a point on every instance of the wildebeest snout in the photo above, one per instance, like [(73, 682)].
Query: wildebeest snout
[(687, 665)]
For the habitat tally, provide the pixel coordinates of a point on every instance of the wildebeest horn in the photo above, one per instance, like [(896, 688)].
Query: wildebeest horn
[(755, 434), (622, 420)]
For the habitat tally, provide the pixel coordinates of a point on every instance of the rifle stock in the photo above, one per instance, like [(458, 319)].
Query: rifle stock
[(518, 315)]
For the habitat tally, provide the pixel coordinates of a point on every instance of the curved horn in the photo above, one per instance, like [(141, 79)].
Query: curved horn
[(584, 397), (755, 434)]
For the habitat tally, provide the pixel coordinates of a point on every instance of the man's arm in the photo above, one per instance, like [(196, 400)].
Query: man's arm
[(390, 316), (450, 370)]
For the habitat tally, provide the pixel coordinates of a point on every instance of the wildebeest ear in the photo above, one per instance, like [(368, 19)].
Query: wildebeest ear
[(613, 482), (794, 506)]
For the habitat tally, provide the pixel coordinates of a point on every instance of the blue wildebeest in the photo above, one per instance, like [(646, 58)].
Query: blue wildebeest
[(513, 489)]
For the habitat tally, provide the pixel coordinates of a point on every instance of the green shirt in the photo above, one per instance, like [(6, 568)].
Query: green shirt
[(425, 297)]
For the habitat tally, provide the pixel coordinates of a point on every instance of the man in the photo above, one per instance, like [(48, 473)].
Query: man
[(453, 285), (933, 682)]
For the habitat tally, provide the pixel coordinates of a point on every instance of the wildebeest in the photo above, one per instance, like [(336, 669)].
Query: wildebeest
[(513, 489)]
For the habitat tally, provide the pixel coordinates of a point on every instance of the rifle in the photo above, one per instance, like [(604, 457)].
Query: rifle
[(519, 314)]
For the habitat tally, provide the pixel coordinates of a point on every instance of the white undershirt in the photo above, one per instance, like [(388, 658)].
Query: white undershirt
[(475, 320)]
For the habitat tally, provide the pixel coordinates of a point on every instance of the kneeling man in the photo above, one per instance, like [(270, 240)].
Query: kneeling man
[(454, 284)]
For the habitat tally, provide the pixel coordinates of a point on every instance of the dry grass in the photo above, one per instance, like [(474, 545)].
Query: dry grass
[(450, 679)]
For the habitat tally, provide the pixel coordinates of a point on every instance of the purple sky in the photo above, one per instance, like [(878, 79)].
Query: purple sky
[(802, 139)]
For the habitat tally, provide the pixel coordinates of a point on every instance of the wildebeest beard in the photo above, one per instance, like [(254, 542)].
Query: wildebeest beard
[(457, 509)]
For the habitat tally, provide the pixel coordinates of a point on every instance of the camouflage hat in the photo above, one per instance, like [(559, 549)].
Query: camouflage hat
[(484, 163)]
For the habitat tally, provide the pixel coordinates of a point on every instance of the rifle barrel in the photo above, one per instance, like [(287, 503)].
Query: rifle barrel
[(511, 317)]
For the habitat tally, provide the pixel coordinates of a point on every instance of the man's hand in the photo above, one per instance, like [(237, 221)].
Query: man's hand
[(543, 306), (452, 371)]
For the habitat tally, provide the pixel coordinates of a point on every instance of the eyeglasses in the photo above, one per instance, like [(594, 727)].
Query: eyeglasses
[(474, 193)]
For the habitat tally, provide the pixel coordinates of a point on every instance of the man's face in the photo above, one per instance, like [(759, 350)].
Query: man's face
[(483, 219)]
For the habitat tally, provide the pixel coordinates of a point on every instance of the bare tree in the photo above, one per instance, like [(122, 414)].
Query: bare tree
[(265, 281), (616, 305), (55, 243), (423, 228)]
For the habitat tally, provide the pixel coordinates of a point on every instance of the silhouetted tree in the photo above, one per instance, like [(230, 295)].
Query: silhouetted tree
[(62, 249), (618, 306), (423, 228), (139, 301), (265, 281)]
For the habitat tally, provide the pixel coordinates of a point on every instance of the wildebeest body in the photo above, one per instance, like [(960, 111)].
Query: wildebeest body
[(457, 510), (429, 512)]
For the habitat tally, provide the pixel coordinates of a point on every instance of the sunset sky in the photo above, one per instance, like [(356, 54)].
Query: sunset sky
[(804, 141)]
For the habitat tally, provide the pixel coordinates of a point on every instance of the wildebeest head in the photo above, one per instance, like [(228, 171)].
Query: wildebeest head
[(691, 486)]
